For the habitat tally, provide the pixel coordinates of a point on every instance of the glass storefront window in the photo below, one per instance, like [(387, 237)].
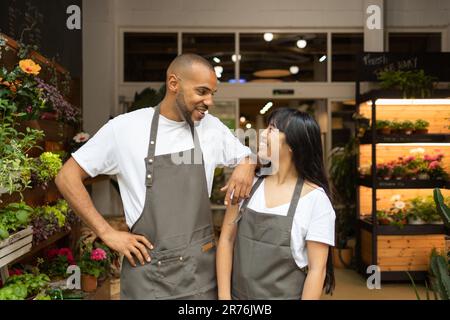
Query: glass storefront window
[(282, 57), (147, 55), (414, 42), (345, 49), (217, 48)]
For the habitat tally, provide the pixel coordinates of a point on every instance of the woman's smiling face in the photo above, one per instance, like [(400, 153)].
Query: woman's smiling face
[(272, 144)]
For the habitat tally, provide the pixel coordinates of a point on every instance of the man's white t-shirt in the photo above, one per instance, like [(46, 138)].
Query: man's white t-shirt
[(313, 220), (121, 145)]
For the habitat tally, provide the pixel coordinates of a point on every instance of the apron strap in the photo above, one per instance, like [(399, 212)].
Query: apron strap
[(151, 148), (295, 197), (196, 155), (246, 201)]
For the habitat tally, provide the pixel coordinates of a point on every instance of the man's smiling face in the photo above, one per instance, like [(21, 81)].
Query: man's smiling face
[(196, 89)]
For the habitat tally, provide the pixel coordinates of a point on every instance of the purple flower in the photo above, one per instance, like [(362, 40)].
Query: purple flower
[(64, 110)]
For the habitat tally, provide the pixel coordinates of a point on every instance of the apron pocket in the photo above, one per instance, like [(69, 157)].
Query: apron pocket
[(205, 256), (173, 273)]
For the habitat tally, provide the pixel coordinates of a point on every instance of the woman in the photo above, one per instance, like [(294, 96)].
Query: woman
[(277, 244)]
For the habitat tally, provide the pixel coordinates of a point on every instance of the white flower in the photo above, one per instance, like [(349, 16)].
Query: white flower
[(417, 151), (395, 197), (399, 205), (81, 137)]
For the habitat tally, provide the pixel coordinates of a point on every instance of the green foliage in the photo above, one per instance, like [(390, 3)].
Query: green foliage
[(343, 176), (382, 124), (14, 217), (442, 208), (440, 277), (148, 97), (424, 208), (19, 287), (413, 83), (58, 211), (48, 166), (421, 124)]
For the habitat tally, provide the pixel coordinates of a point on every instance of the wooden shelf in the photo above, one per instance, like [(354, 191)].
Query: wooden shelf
[(411, 138), (403, 184), (35, 249), (397, 94), (408, 229)]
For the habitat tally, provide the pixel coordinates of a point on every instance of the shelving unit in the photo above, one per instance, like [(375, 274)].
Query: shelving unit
[(397, 250)]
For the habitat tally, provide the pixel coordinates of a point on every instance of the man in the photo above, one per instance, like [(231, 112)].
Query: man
[(166, 202)]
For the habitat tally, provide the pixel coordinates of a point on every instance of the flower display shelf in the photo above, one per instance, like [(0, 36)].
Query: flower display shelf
[(402, 184), (407, 229), (393, 249), (13, 248), (406, 138)]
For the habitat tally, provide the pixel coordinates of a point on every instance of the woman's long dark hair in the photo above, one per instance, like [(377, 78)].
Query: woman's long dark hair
[(304, 138)]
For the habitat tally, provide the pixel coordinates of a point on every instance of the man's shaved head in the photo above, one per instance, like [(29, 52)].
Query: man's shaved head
[(182, 64)]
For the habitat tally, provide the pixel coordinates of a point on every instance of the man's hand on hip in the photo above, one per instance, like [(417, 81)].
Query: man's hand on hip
[(129, 245)]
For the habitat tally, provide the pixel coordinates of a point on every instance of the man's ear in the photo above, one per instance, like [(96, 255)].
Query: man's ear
[(172, 83)]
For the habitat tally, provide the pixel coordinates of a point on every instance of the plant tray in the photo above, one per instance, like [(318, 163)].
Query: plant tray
[(16, 246)]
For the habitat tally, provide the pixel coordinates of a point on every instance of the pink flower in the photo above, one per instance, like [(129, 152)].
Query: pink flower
[(98, 254), (409, 159), (434, 165), (29, 109)]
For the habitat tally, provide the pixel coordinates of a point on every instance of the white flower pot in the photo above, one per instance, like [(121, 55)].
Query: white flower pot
[(423, 176), (437, 222), (414, 220)]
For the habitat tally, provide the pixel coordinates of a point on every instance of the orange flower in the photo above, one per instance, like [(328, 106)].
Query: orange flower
[(29, 66)]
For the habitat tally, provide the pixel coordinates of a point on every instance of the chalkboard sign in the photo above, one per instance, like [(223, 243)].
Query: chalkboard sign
[(434, 64)]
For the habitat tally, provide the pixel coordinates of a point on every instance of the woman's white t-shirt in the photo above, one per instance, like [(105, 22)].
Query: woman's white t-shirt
[(313, 220)]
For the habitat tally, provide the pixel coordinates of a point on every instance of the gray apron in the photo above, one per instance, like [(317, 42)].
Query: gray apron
[(177, 220), (263, 266)]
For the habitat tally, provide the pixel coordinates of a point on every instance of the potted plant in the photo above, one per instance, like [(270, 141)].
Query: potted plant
[(416, 211), (383, 127), (94, 262), (398, 171), (422, 171), (412, 83), (421, 126), (408, 126), (384, 171), (383, 217), (56, 263), (436, 171), (343, 173), (397, 127)]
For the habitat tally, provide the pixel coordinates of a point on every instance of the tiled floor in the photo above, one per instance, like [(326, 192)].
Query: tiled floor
[(349, 286), (352, 286)]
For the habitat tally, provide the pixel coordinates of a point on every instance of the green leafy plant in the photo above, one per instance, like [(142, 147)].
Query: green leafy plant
[(148, 97), (412, 83), (423, 208), (421, 124), (407, 125), (439, 275), (24, 285), (47, 167), (442, 208), (343, 175), (56, 262), (58, 211), (13, 217), (399, 171), (15, 164), (383, 124)]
